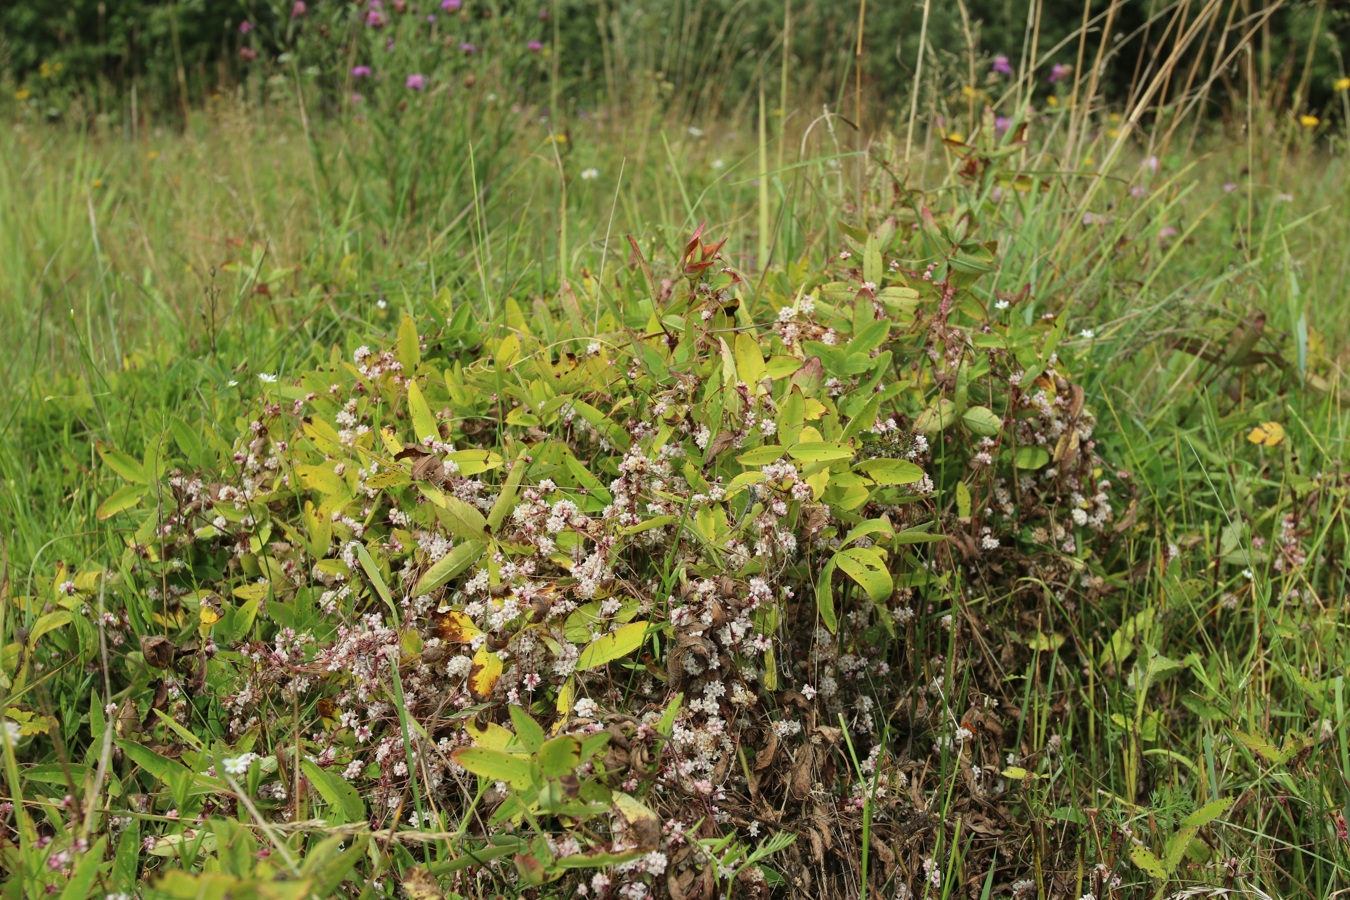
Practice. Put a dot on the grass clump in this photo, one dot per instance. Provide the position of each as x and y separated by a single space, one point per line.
612 507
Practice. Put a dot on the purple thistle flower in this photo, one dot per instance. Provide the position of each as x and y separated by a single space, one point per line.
1002 66
451 5
375 18
360 71
299 9
416 82
1001 125
535 46
245 26
467 47
357 98
1059 71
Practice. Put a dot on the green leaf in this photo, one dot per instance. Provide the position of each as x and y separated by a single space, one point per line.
1144 859
607 648
409 348
872 268
1208 813
791 415
506 500
749 360
460 557
1031 457
667 723
337 792
982 420
514 769
825 598
528 732
865 567
81 883
1176 847
123 464
49 622
868 527
124 498
962 500
464 521
819 451
760 456
890 471
936 417
559 756
161 767
424 423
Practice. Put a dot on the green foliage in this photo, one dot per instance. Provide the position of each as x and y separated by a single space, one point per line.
490 554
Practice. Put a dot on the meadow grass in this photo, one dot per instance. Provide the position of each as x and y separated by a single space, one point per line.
1172 718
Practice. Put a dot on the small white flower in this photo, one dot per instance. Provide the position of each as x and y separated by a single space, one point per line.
1249 574
10 731
589 174
696 132
265 378
382 304
232 383
1001 304
1087 334
239 765
717 164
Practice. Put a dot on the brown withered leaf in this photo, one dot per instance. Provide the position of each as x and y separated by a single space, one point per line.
158 651
454 627
765 755
722 442
799 778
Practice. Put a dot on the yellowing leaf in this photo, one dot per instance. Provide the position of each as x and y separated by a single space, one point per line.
409 347
643 825
29 722
618 643
424 423
322 478
483 674
749 361
124 498
496 764
559 756
123 464
492 736
1267 434
1144 859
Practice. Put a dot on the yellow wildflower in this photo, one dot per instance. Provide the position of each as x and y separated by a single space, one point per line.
1308 121
22 94
1342 84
